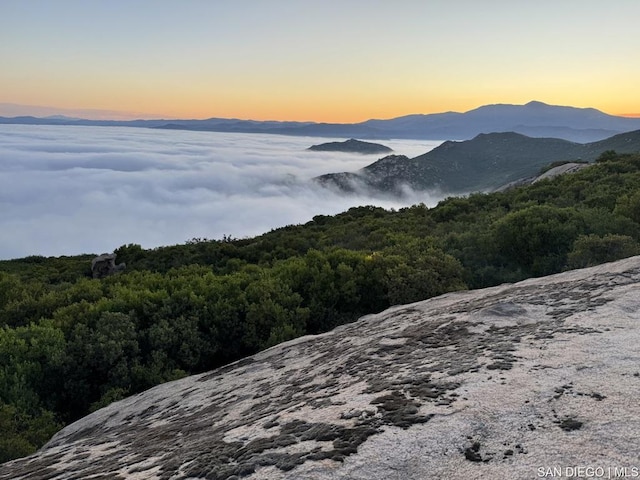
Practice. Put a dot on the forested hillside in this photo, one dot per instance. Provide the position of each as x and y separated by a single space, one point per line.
70 344
487 162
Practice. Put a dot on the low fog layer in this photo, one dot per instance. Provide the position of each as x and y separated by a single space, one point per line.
72 190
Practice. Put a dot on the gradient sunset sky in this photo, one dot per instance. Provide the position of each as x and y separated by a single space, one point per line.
322 60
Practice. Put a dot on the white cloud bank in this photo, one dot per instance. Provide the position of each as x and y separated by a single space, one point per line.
70 190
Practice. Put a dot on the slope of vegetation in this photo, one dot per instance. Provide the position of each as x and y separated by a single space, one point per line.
70 344
486 162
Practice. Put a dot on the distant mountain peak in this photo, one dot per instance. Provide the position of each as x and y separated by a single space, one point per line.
352 145
487 162
534 119
536 103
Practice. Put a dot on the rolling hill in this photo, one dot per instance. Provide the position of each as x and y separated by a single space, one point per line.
534 119
352 146
484 163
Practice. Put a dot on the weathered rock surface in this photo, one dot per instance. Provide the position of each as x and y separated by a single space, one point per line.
564 169
105 265
501 383
570 167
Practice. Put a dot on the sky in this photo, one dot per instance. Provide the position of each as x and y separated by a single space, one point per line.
68 190
324 61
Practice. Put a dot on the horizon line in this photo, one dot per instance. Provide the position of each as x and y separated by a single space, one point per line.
95 114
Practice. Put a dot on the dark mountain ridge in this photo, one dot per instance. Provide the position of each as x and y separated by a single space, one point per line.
353 146
535 119
484 163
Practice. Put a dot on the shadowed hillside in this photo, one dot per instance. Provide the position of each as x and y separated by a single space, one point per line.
487 162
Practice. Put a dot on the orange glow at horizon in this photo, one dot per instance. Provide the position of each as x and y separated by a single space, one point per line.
328 112
331 107
375 60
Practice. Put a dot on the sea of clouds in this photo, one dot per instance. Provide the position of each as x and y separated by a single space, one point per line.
66 190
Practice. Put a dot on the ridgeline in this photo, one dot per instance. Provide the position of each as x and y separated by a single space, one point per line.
485 163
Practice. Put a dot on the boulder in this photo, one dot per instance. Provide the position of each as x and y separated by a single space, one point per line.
105 265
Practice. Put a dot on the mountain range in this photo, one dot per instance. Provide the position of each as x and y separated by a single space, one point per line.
535 119
487 162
